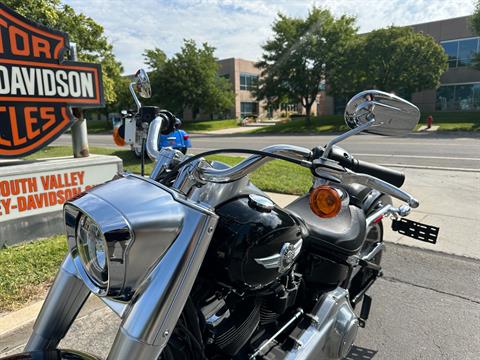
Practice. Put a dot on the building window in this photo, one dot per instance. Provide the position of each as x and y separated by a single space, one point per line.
248 109
248 81
461 52
458 97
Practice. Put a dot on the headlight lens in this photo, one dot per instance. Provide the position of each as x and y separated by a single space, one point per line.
92 249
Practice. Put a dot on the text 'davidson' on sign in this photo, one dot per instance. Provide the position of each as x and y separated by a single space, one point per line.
39 85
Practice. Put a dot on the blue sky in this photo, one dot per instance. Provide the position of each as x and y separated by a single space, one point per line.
238 28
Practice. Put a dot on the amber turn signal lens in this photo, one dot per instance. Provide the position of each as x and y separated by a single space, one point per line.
117 138
325 201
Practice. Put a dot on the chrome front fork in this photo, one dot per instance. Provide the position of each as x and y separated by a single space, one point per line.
149 318
64 301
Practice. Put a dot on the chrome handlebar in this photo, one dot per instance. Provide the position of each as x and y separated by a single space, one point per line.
190 176
152 138
252 163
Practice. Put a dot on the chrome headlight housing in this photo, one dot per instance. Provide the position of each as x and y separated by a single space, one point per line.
92 249
98 242
118 231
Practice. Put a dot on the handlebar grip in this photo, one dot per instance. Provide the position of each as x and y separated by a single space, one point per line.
394 177
391 176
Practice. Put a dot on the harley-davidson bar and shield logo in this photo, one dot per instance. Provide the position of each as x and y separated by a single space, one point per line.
37 86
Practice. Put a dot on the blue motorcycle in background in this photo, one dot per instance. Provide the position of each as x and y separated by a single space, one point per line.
129 131
178 139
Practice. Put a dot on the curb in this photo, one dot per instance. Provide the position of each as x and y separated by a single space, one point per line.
19 318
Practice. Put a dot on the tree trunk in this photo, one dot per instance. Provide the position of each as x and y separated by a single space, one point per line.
308 112
195 112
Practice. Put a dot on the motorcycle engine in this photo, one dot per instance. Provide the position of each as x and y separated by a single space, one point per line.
233 320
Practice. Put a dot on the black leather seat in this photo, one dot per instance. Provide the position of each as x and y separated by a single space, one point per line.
343 233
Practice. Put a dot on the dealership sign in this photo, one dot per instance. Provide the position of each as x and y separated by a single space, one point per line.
41 189
38 86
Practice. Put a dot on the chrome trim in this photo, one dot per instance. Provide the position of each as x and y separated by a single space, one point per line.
379 247
154 310
140 220
200 172
261 202
152 138
251 163
332 331
403 210
118 307
135 98
59 310
344 136
276 260
274 336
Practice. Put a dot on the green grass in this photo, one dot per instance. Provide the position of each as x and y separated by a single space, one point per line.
27 270
99 127
317 124
210 125
453 121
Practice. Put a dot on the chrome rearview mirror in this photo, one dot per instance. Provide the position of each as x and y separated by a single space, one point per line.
142 84
386 113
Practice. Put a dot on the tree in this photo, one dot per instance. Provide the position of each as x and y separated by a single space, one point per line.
475 23
400 60
190 80
301 53
92 44
475 19
154 58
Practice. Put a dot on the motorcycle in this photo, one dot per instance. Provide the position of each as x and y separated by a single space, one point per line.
132 129
178 139
201 264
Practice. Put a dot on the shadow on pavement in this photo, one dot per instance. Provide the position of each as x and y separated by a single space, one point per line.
359 353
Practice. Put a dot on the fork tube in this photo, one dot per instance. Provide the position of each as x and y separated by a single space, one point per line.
62 304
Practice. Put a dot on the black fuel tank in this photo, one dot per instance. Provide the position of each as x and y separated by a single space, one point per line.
254 243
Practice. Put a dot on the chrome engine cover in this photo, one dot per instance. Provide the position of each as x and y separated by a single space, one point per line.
332 332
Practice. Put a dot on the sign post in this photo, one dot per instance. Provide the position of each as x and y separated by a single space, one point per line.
79 127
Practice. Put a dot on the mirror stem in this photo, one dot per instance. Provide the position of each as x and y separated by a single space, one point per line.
346 135
137 102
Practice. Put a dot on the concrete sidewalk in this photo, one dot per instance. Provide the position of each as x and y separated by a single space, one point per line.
449 200
236 130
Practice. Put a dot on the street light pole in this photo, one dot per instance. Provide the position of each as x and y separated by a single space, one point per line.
79 127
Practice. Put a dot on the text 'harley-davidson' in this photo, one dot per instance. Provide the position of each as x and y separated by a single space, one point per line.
201 264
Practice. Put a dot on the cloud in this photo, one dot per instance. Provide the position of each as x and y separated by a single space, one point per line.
238 28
